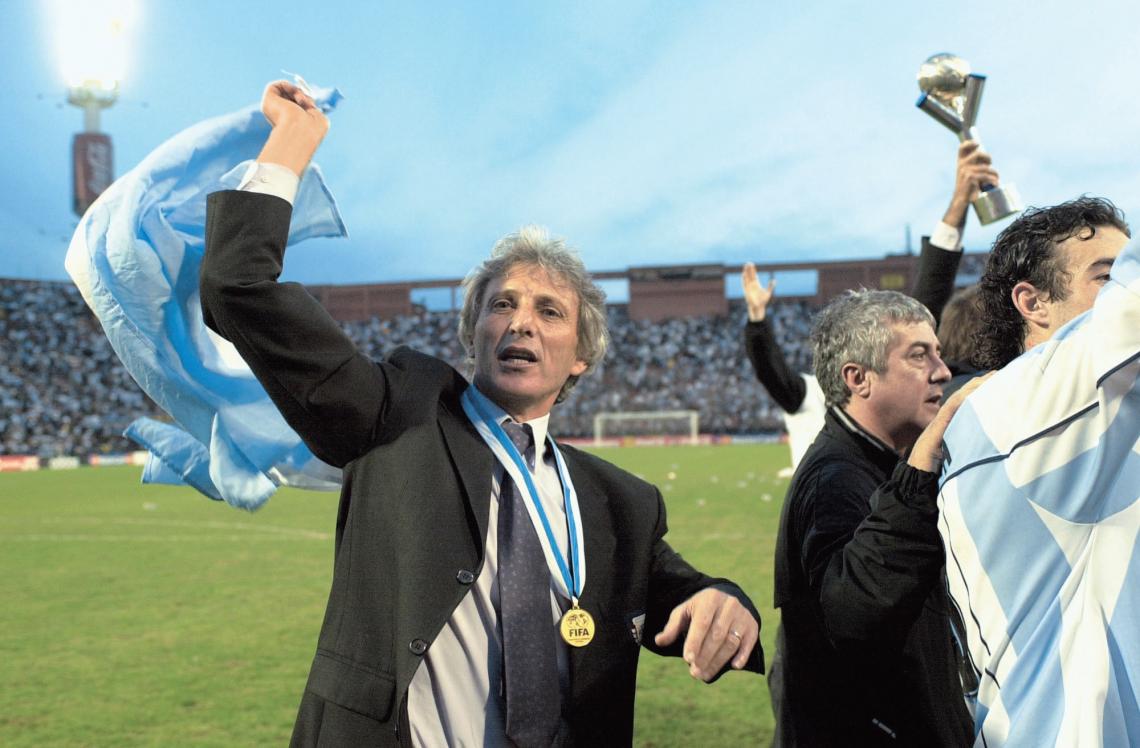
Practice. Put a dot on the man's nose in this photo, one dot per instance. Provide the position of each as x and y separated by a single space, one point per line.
522 321
941 371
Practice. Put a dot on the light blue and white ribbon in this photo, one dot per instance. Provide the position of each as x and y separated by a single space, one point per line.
569 573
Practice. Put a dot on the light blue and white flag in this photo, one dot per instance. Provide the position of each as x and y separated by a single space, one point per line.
135 257
1040 514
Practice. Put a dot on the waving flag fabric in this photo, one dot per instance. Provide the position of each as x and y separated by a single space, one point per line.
1040 513
135 257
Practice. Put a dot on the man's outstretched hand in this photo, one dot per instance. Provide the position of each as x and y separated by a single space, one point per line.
926 454
756 295
975 170
719 629
299 126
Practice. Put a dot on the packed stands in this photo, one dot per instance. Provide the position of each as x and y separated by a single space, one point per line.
62 389
64 392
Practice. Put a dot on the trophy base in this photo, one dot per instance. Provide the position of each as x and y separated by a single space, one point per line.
998 203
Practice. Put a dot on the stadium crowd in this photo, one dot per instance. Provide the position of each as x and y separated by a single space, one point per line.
63 390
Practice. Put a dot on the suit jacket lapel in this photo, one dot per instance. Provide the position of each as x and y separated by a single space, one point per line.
597 529
474 462
599 541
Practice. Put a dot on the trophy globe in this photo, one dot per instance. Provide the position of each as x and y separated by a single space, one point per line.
952 95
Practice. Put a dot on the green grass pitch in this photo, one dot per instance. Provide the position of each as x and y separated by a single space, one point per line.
149 615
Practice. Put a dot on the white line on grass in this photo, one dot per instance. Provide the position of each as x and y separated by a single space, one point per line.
64 537
204 524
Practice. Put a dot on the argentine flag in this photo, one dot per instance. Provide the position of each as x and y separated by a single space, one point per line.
135 257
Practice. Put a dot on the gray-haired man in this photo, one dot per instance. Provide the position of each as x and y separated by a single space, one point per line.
866 647
464 530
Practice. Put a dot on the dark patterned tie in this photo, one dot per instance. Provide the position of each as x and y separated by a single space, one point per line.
530 665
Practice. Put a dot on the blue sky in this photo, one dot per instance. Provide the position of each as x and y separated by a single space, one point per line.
645 133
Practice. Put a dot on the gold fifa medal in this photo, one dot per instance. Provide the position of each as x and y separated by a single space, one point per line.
577 627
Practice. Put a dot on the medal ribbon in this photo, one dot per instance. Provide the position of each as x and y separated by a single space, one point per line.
572 575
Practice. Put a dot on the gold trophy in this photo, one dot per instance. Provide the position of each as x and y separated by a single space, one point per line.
951 94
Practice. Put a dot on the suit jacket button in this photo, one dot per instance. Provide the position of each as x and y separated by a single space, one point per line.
464 577
417 646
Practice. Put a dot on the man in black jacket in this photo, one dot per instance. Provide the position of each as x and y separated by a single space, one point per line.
461 611
798 395
867 651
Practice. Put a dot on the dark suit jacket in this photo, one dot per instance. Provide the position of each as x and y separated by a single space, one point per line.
934 284
414 508
934 287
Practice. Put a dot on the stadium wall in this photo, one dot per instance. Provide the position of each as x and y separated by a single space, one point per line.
29 463
655 293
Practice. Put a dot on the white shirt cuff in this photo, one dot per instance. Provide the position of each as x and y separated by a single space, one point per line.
945 237
270 179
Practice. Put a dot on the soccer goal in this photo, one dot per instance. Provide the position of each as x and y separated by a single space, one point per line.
680 425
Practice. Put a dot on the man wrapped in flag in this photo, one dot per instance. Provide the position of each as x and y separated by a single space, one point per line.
1040 501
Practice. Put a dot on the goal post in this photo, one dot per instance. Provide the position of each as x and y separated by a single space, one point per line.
685 423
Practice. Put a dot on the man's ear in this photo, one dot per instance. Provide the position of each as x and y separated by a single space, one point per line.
857 378
1030 303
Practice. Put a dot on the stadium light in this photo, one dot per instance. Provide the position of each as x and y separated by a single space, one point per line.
91 44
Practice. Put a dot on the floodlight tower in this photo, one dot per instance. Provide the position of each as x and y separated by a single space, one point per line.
91 40
93 167
93 96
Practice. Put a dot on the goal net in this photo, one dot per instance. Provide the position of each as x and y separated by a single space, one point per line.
673 425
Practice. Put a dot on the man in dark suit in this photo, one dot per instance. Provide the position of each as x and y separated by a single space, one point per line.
461 611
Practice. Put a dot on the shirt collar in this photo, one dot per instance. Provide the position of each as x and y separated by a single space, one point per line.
538 426
854 428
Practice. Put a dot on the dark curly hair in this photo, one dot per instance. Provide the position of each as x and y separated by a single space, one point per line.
1026 251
